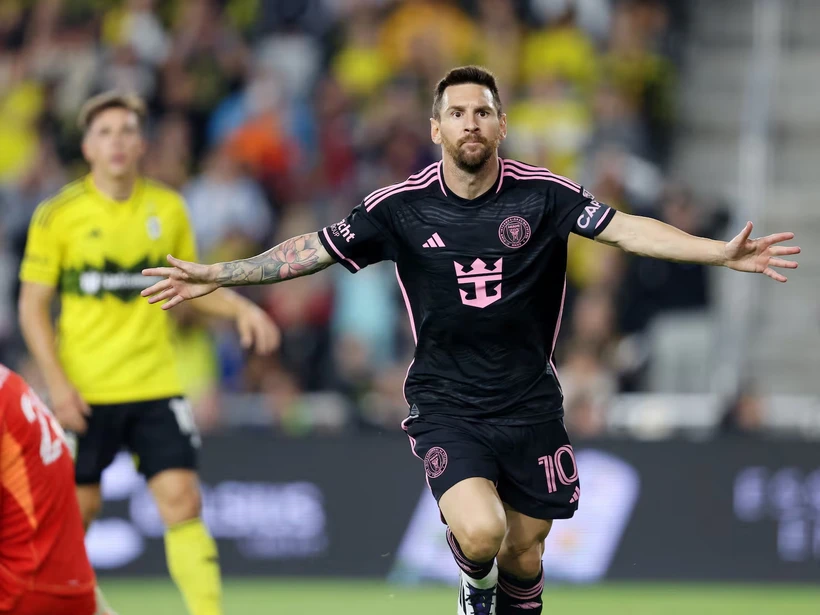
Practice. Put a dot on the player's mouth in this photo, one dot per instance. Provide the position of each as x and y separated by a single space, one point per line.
119 158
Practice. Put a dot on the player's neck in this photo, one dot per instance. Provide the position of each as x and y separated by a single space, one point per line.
470 185
115 188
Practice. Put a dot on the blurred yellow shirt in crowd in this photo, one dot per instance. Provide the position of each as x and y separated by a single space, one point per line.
564 52
439 29
19 109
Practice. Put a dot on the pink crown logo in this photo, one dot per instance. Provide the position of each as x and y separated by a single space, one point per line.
478 267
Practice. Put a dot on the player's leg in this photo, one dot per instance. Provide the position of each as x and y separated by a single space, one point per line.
538 483
521 579
93 451
461 470
90 499
164 437
475 530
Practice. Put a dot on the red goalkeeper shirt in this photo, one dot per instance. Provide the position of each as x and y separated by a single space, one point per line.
41 532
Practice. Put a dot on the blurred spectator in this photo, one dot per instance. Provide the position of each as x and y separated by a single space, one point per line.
501 42
227 204
744 414
644 76
135 24
549 127
651 286
561 50
169 157
361 67
429 36
589 387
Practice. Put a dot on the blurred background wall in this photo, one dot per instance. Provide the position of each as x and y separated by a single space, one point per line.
275 118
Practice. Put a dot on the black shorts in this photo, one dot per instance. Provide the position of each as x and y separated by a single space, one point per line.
161 433
532 466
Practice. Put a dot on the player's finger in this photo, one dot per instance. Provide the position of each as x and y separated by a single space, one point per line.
744 234
173 301
776 238
774 275
180 264
76 423
85 409
784 250
275 337
266 339
166 294
780 262
156 288
246 333
153 272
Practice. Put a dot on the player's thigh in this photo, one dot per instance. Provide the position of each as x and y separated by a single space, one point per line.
539 476
95 449
163 436
461 468
450 452
34 603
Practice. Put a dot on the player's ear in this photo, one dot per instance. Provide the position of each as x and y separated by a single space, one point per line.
88 150
502 121
435 131
143 145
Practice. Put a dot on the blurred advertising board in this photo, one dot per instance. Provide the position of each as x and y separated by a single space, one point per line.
733 510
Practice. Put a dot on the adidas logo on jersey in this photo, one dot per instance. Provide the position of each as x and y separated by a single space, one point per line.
434 242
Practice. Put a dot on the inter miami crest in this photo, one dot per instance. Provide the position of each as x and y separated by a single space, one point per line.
514 232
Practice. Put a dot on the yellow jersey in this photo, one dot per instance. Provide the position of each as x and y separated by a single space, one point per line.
113 345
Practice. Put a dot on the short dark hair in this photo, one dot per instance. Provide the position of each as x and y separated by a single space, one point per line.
466 74
110 100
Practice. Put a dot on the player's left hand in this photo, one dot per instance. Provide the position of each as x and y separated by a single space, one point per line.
760 255
256 329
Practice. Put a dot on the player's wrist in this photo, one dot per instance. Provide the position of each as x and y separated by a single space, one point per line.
722 258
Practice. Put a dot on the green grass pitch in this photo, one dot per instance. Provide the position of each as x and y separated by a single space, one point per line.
317 597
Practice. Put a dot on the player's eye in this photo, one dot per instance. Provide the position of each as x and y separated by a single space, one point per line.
483 114
456 113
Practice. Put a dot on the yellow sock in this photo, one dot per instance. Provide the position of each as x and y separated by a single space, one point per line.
194 566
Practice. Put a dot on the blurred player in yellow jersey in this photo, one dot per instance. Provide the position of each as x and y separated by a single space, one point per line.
108 376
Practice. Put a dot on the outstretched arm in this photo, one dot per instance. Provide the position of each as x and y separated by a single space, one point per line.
295 257
656 239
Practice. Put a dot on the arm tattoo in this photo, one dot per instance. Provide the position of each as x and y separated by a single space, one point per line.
298 256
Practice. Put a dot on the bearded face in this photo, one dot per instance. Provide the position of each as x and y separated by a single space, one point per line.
469 127
470 152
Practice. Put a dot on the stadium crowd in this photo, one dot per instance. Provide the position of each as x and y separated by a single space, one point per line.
275 118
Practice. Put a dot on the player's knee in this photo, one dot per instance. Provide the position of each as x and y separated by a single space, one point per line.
521 557
178 505
480 539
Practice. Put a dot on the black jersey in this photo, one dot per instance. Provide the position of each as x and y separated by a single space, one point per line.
484 282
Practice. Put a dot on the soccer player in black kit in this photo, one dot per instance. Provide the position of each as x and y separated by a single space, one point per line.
480 246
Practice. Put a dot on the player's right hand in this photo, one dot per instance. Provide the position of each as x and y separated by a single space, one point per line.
183 281
69 407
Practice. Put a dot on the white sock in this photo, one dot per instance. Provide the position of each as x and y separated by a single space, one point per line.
491 580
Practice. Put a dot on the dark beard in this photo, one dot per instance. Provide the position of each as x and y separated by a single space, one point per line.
471 164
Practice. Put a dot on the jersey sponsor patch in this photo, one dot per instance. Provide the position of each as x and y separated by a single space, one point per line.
125 283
